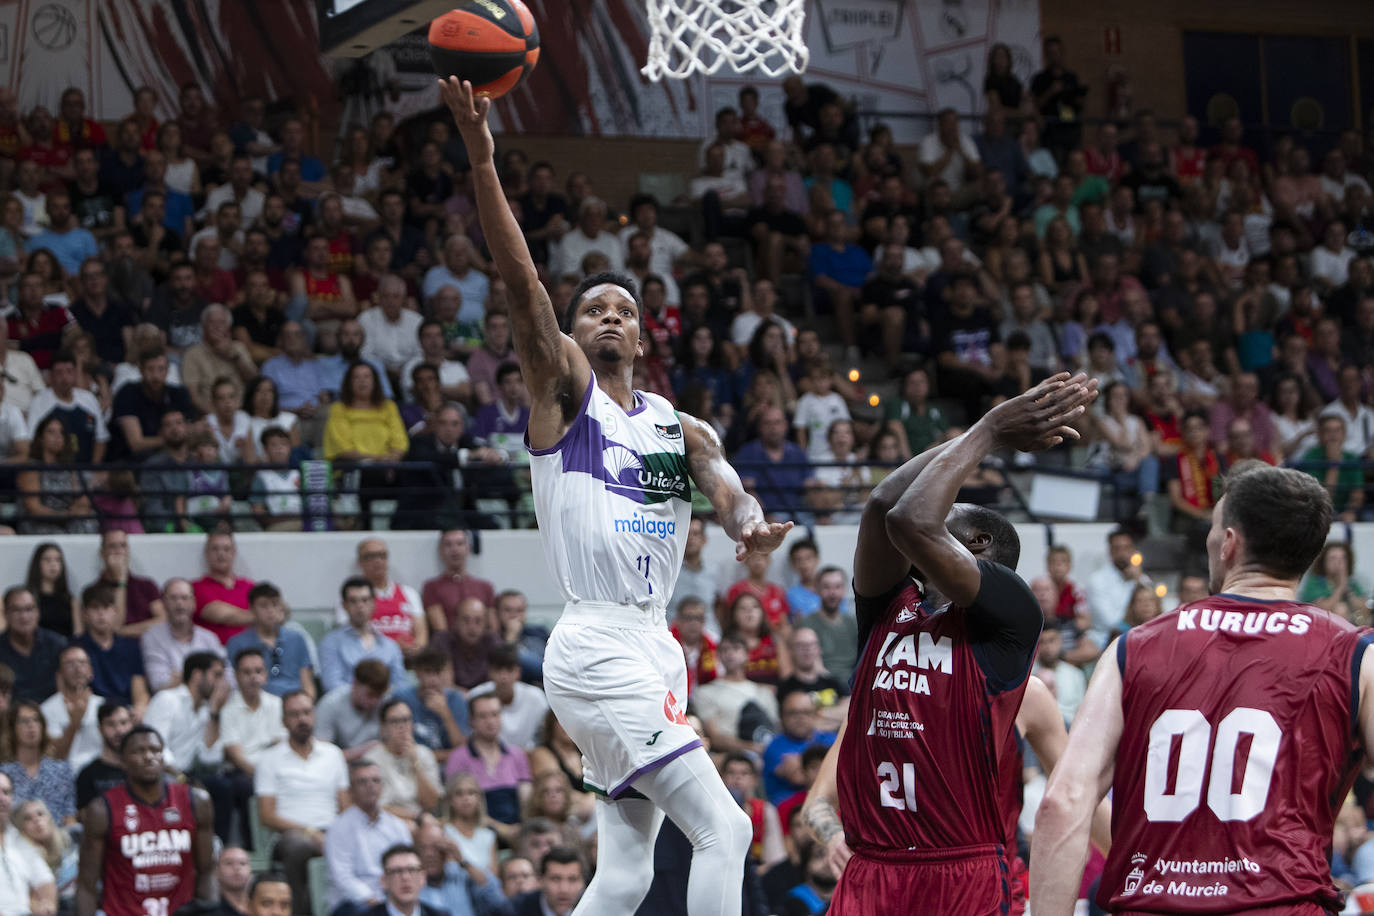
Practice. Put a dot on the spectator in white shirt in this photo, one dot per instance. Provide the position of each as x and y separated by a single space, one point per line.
189 713
301 786
1110 586
738 160
666 247
355 842
587 236
72 712
411 783
238 189
714 179
391 329
1336 179
454 382
948 153
760 308
168 643
1359 419
523 706
1329 263
76 407
26 883
250 723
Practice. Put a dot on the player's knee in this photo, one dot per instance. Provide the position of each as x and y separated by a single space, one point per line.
737 832
623 888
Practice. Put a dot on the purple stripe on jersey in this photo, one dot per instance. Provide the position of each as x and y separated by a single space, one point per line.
581 413
661 762
638 408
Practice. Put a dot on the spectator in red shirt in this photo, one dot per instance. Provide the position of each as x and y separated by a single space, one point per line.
769 659
689 629
212 283
1230 148
1103 159
1187 160
34 325
442 594
1240 444
754 131
73 129
1070 600
222 597
43 151
770 595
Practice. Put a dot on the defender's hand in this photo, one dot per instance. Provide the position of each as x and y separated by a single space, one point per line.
1039 418
470 113
761 537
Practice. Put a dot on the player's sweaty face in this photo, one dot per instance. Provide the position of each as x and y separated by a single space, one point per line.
607 323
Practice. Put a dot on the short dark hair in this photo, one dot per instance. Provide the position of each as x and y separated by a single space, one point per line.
263 590
432 658
815 753
506 369
503 656
106 710
389 704
353 582
560 855
63 356
829 571
1005 548
739 757
273 432
473 701
271 877
1119 533
14 591
241 654
1256 494
640 200
99 594
400 849
803 544
615 278
198 661
373 674
139 730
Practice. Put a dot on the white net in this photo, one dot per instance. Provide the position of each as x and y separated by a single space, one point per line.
704 35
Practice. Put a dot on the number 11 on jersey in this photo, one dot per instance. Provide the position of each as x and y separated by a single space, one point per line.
642 564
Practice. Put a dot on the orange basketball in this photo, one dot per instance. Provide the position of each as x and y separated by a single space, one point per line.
494 44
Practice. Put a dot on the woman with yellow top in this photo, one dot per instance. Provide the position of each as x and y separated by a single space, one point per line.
363 428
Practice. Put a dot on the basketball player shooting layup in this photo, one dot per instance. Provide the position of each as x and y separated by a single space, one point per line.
1229 731
609 468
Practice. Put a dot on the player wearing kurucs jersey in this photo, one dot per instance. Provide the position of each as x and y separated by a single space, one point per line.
931 743
609 468
1229 731
147 843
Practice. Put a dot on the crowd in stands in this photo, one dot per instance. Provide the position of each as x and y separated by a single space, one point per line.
190 297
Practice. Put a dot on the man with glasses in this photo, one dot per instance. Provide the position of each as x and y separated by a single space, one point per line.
166 644
284 651
28 649
355 843
106 318
410 773
783 773
397 611
403 877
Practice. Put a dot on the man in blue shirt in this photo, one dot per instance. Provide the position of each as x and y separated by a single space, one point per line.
439 709
296 373
116 661
775 470
342 649
293 147
453 884
284 651
838 271
334 366
177 205
68 242
783 775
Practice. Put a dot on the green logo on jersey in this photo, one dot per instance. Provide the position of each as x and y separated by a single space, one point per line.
651 741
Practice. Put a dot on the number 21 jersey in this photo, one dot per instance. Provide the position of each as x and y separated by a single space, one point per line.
1238 746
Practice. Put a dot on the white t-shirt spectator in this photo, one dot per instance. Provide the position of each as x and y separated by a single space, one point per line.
254 731
46 400
931 150
228 438
726 186
1336 189
815 414
523 719
720 703
1359 426
13 428
87 743
1324 264
393 344
451 372
250 206
22 871
738 160
746 323
665 247
567 253
306 788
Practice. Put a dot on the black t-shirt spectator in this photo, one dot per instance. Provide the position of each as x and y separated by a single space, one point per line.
786 222
404 250
824 687
1063 105
875 209
96 210
264 332
123 177
807 112
107 328
133 401
534 217
95 779
182 325
283 252
970 339
35 674
885 291
170 244
1161 187
429 190
1007 87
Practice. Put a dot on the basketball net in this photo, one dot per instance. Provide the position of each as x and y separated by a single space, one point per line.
701 36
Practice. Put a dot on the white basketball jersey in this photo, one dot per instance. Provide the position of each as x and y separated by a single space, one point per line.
613 501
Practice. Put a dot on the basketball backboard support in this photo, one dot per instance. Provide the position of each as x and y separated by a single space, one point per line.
353 28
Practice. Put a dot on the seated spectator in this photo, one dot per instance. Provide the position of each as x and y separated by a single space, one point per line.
217 356
33 771
949 154
59 852
497 349
68 241
234 875
138 601
454 881
1358 418
391 329
72 711
138 409
837 630
698 647
775 470
250 724
301 785
1064 679
80 413
968 346
189 714
782 765
1244 401
105 316
1109 587
454 381
276 494
289 657
438 710
167 643
105 771
327 295
54 499
456 269
411 784
502 771
208 505
818 409
364 427
28 884
469 643
221 596
814 893
116 661
562 879
30 652
164 480
1338 468
838 269
740 774
440 495
347 715
917 423
738 714
176 309
1240 444
22 380
229 425
466 825
445 592
769 659
343 648
300 382
397 612
356 841
1332 584
829 690
769 594
523 706
259 320
1194 479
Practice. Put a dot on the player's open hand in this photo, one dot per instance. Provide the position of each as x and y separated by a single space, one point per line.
760 537
838 853
1041 418
470 113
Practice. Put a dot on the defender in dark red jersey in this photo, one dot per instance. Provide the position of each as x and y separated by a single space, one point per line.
931 739
1229 730
147 843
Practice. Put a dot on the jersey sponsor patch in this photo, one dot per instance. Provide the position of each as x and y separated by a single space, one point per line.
671 710
906 615
671 432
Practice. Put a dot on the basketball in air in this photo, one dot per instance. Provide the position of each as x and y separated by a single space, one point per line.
494 44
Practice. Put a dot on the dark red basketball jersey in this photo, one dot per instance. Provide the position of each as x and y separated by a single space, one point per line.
1238 746
149 866
931 745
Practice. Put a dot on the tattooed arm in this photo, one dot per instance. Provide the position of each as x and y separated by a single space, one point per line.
740 514
821 809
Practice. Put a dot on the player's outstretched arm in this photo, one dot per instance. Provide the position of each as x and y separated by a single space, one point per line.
1075 788
555 369
203 844
740 514
878 564
821 811
1042 725
1037 419
95 823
